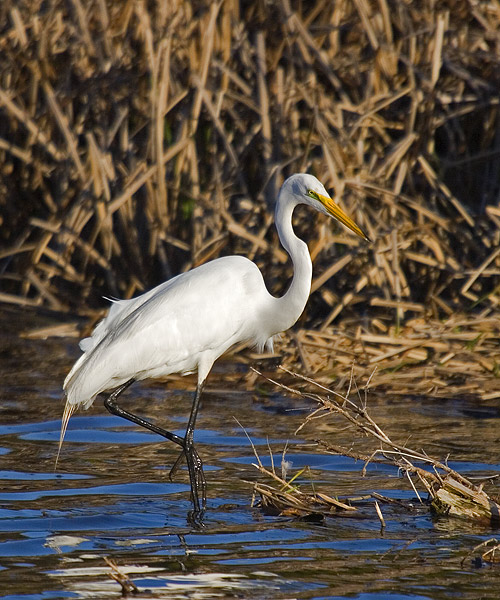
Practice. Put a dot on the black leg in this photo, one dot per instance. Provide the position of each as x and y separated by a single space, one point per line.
193 460
114 409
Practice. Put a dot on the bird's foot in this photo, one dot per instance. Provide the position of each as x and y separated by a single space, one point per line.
195 519
176 465
196 477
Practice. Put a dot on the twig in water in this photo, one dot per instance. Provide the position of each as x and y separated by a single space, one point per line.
380 515
127 585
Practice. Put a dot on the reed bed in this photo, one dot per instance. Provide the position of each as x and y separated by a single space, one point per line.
459 356
138 140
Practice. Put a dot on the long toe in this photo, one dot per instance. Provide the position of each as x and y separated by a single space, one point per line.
201 482
196 476
195 518
176 466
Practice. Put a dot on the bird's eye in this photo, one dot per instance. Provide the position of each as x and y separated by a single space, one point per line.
312 194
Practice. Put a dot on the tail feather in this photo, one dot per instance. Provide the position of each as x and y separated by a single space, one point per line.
69 409
88 378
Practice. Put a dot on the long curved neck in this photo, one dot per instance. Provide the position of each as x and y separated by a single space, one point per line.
291 305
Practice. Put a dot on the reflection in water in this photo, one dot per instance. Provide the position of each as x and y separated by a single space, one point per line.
111 496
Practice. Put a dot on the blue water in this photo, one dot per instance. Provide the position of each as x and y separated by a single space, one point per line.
111 497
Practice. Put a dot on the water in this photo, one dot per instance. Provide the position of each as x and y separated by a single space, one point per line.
111 496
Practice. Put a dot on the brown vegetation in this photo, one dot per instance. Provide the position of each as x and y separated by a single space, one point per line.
448 492
140 139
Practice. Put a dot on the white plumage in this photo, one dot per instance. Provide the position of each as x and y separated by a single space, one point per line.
186 323
166 331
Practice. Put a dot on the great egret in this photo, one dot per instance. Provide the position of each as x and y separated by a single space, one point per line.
186 323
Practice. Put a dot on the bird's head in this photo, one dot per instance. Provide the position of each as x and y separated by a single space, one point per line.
306 189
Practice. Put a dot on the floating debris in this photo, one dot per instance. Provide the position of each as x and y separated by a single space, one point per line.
449 493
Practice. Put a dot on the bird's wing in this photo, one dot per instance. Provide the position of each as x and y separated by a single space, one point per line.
201 309
176 328
119 310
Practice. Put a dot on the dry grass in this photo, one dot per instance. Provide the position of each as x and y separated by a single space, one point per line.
458 356
140 139
448 492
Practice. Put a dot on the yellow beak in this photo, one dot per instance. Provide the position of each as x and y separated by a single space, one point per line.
337 213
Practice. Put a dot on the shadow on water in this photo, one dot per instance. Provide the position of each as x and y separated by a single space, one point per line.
111 497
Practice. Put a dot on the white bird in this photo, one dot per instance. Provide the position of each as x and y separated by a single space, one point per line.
186 323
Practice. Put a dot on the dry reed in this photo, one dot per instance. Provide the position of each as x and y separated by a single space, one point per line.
140 139
449 493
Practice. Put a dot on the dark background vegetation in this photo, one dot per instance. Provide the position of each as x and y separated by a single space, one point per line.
139 139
